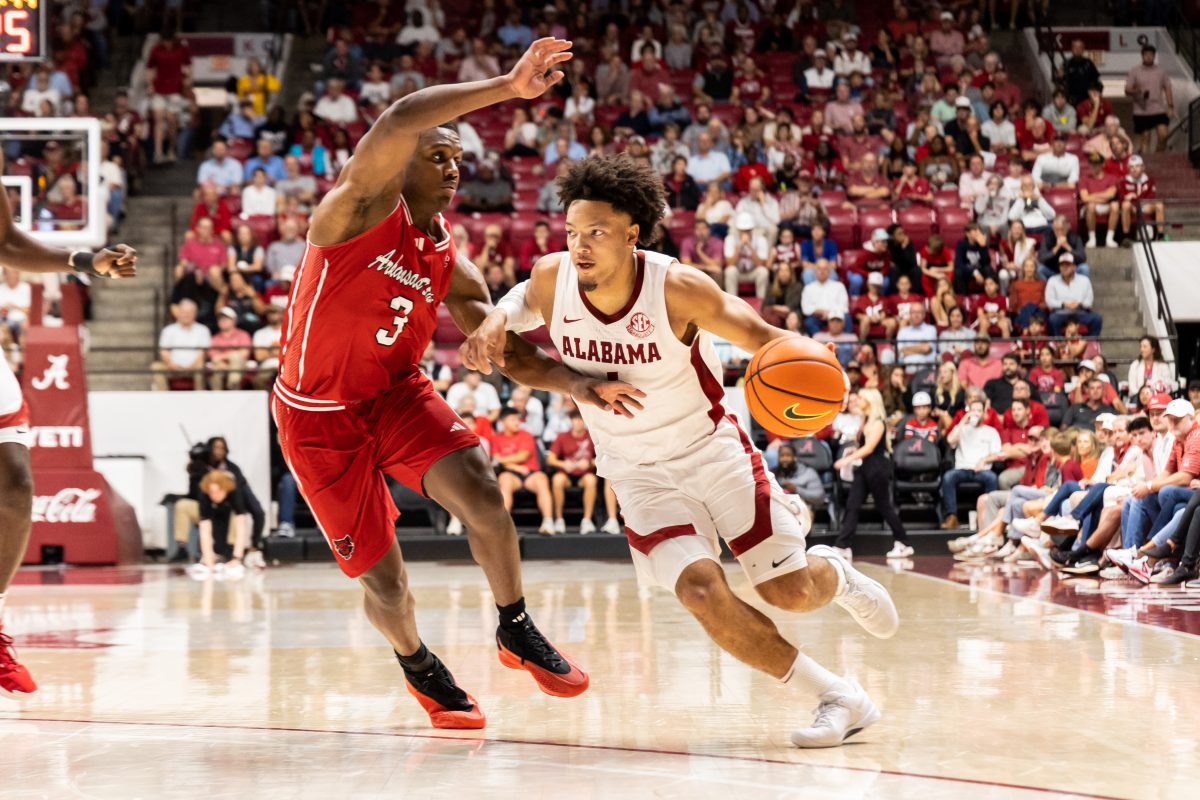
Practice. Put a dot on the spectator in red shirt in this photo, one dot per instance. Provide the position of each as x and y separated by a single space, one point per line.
1137 190
1022 390
534 248
228 353
870 312
1093 110
911 188
937 263
649 74
516 455
1045 376
574 456
990 309
212 206
1097 196
1017 426
749 85
869 187
979 367
204 253
496 251
900 303
169 62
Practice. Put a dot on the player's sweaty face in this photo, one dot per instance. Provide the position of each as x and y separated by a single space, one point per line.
601 241
433 170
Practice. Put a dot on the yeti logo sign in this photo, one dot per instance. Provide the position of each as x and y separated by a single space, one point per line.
54 375
344 547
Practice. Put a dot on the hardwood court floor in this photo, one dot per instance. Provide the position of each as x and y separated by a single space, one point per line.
157 686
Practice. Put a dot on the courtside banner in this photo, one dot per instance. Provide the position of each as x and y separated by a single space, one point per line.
55 386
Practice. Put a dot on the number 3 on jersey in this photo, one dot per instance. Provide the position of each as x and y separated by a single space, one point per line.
404 306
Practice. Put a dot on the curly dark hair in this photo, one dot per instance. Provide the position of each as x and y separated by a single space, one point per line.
627 185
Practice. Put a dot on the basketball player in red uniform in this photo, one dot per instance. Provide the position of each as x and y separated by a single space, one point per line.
21 251
352 404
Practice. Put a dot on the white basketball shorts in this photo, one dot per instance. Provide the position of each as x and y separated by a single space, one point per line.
675 510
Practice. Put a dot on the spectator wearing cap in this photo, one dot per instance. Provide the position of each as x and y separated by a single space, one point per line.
228 352
956 127
822 297
916 342
843 340
1060 113
1137 191
819 78
921 423
1152 504
851 59
1060 241
746 255
708 164
1149 86
870 311
947 41
1070 295
799 207
1056 168
877 259
1098 196
1085 371
1031 209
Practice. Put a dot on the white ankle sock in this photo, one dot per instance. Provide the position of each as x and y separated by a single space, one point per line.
839 569
809 676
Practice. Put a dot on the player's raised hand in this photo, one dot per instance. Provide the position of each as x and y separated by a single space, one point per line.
120 262
615 395
536 71
485 344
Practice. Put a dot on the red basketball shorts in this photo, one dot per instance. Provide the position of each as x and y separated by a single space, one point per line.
339 459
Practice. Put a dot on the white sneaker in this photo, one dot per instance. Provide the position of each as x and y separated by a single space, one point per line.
287 530
1026 526
586 526
961 543
612 526
1060 525
1112 574
982 548
234 572
198 572
1004 552
560 525
900 550
547 527
454 527
1018 555
1039 551
1109 239
838 717
864 599
254 560
1121 557
1091 242
847 553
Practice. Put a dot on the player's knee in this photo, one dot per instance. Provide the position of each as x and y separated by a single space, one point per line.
390 594
794 591
698 590
16 485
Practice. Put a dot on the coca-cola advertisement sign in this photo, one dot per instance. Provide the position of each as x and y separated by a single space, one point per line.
68 505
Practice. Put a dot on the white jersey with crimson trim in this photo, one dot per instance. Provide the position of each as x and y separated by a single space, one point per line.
637 345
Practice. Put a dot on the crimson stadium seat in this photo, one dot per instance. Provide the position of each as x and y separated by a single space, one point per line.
1064 202
831 198
951 222
264 228
918 222
944 200
843 227
447 332
871 218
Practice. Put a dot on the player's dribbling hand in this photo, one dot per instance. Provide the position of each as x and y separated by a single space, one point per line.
608 395
535 72
485 344
120 262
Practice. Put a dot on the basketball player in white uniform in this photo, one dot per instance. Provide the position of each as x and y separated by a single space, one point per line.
22 252
684 472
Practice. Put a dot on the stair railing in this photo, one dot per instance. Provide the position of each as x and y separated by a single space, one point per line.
1163 307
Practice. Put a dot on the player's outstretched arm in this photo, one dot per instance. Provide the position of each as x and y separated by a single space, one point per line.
692 297
524 363
20 251
381 156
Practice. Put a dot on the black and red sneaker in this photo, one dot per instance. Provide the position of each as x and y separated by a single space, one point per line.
447 705
15 680
524 647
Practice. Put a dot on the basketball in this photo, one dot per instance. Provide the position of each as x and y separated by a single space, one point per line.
794 386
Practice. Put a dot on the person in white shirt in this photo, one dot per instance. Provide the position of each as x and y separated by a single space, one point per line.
182 346
1031 209
976 446
708 165
746 254
916 342
822 297
819 77
851 59
973 183
1056 168
487 401
336 106
258 199
39 90
762 207
1069 295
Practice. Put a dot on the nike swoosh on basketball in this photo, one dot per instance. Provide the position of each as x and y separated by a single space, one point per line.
569 321
775 564
790 413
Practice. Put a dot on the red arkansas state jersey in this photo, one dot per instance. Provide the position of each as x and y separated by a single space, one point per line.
362 312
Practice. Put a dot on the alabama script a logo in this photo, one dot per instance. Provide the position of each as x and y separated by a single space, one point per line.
55 374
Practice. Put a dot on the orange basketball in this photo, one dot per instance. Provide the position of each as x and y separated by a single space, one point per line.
794 386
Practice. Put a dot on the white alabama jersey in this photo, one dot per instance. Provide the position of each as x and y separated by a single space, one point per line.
636 345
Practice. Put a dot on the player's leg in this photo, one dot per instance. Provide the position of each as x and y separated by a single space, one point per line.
16 505
391 609
463 482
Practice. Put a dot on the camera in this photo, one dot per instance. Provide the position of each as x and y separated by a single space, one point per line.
198 459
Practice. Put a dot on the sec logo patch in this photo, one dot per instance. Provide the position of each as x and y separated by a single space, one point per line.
640 325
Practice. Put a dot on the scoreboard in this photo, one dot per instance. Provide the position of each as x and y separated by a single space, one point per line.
23 30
